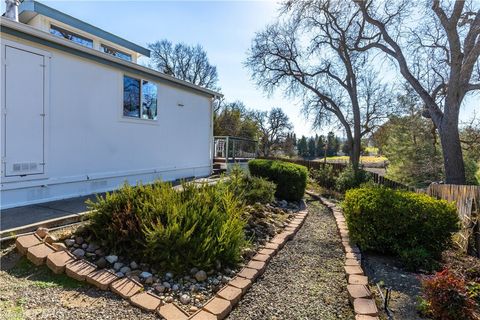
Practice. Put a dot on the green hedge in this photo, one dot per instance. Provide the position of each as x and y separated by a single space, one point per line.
290 178
413 226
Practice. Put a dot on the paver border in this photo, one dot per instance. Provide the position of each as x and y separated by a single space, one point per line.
258 265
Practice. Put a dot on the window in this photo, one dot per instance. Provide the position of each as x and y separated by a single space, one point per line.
139 98
62 33
116 53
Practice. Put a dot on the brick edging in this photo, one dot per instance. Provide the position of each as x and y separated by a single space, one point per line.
40 252
359 294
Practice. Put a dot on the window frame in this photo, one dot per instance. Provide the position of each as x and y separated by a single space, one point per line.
60 29
139 119
106 46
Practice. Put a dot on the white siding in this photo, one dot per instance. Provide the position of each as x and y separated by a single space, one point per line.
91 147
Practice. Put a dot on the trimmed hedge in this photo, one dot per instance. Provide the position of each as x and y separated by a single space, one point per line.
290 178
413 226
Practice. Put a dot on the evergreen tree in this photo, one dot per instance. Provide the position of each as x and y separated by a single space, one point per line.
311 147
331 145
302 147
320 152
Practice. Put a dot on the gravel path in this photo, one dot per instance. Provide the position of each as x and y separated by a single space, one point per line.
305 280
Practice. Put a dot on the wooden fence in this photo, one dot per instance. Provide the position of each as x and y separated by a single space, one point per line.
467 200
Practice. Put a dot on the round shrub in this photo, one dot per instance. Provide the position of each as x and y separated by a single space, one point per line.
290 178
349 179
400 222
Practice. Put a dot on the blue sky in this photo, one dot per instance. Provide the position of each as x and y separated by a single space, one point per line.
224 28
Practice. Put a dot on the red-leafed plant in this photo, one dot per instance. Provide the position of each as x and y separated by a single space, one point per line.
446 298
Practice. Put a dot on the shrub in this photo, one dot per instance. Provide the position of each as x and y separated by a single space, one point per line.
400 222
349 179
170 229
290 178
249 188
324 176
446 297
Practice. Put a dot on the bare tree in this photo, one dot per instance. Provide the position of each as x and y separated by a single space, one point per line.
274 127
439 58
189 63
313 53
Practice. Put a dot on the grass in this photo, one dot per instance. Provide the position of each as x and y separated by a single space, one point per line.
42 277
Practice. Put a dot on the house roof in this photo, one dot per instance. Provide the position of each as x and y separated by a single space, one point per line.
29 9
32 34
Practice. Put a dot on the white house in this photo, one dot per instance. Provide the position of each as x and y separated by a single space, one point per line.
80 116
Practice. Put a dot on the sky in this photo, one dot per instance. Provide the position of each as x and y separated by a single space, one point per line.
225 29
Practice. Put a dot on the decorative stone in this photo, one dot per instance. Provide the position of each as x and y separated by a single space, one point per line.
230 293
79 269
125 269
79 253
146 301
125 287
111 259
145 275
38 254
241 283
79 240
92 247
24 242
101 262
101 279
117 266
218 307
57 261
170 311
185 299
168 275
365 307
201 276
41 232
160 289
120 274
69 242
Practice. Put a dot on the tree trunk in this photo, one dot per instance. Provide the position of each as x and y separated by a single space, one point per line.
355 154
452 151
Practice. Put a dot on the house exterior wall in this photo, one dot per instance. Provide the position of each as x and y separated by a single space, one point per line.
90 147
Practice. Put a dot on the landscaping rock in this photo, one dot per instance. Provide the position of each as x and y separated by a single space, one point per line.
79 253
125 270
117 266
92 247
69 242
149 281
185 299
160 288
133 265
111 259
168 275
145 275
120 274
201 276
79 240
101 263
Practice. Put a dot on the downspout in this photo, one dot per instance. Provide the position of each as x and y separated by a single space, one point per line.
11 9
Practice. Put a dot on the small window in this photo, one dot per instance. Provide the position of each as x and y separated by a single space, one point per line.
139 98
116 53
62 33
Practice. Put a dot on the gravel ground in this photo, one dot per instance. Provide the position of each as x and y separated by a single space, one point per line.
29 292
305 280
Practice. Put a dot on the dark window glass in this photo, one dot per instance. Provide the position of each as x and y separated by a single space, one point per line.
131 97
62 33
116 53
149 100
